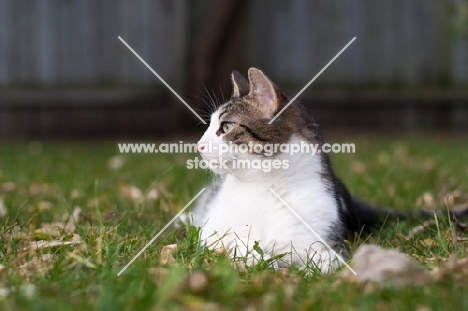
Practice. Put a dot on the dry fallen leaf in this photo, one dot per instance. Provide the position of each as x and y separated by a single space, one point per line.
385 266
200 305
3 209
2 270
452 268
37 265
70 226
429 242
153 194
384 158
419 228
428 165
166 257
38 245
220 250
44 205
358 167
56 229
7 187
18 233
116 162
197 281
240 266
401 152
455 199
131 192
75 193
427 201
416 230
4 292
48 189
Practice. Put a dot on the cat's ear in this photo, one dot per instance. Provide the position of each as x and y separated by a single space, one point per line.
240 85
264 91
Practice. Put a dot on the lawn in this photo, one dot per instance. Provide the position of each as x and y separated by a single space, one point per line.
51 262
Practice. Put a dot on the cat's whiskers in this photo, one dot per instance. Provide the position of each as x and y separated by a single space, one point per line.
210 105
222 94
204 113
213 103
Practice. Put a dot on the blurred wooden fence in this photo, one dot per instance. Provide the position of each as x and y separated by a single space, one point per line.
66 54
74 42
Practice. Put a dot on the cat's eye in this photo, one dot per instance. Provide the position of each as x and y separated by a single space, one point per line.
227 127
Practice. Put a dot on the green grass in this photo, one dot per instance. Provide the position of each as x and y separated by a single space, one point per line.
51 179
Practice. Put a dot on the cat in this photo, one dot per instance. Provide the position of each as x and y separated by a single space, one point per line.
254 213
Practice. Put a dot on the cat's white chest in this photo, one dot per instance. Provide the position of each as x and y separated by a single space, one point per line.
240 209
243 213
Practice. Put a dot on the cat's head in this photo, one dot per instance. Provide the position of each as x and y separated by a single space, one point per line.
244 121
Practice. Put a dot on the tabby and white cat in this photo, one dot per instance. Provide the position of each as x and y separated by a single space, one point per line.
239 209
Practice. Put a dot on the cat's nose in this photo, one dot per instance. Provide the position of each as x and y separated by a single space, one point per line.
201 147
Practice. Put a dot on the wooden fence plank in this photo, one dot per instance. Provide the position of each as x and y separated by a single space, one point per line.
5 41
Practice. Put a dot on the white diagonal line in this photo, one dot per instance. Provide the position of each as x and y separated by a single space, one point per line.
162 80
160 232
313 79
313 231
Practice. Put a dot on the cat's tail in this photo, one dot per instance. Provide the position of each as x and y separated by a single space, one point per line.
370 217
373 216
